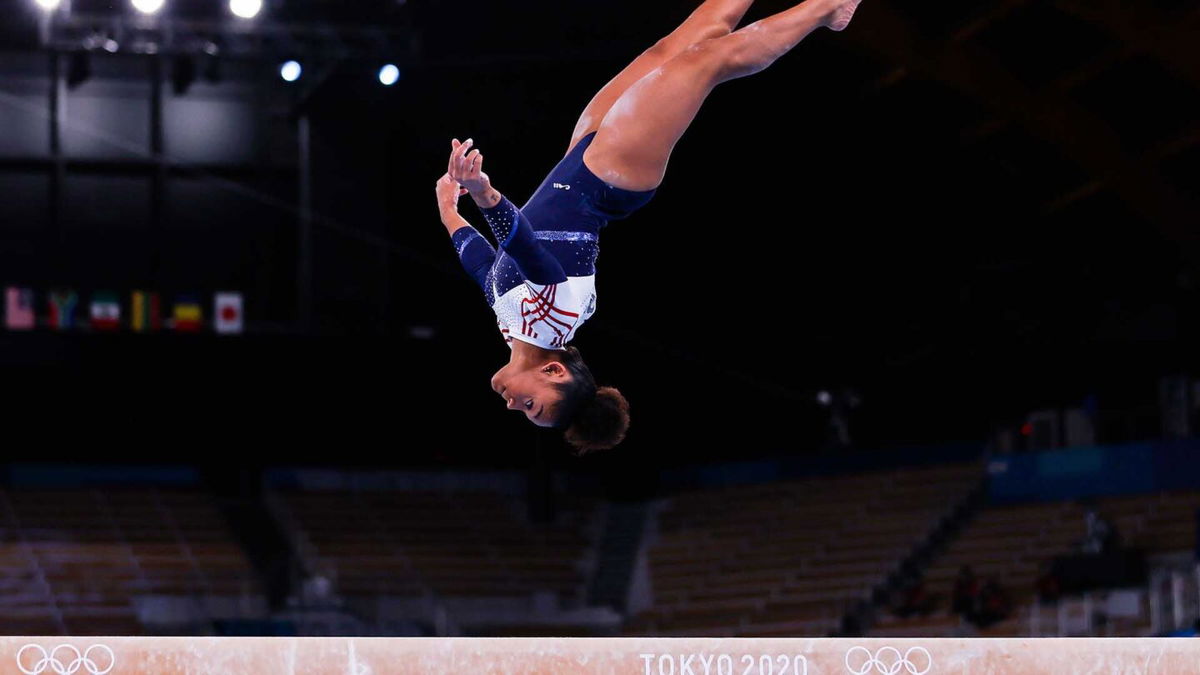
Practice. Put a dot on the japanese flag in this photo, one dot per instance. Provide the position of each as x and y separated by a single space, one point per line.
228 313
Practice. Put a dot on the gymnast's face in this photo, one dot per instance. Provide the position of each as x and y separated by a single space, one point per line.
532 391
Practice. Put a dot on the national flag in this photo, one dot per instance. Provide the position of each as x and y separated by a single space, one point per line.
62 308
187 315
18 313
106 311
227 312
144 312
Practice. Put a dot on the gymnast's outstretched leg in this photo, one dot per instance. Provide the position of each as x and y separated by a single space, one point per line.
712 19
639 131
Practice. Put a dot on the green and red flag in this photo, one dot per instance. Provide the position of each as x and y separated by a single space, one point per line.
145 314
106 311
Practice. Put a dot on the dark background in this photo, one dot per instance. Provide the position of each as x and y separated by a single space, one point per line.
966 211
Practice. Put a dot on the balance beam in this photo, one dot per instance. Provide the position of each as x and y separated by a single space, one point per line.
607 656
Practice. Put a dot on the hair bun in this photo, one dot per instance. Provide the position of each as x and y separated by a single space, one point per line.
600 423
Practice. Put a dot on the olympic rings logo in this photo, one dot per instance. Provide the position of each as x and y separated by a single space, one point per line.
71 666
889 661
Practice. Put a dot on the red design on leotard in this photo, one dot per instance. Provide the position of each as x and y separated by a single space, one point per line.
545 312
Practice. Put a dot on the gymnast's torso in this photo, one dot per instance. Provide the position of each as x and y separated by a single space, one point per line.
566 213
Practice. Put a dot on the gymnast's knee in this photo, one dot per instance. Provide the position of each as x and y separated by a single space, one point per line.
728 57
679 42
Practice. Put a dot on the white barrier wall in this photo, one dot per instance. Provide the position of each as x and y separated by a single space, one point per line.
625 656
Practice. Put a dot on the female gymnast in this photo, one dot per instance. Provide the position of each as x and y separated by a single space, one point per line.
541 285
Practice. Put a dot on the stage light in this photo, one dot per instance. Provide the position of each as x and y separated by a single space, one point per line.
246 9
290 71
148 6
111 46
824 398
49 5
389 75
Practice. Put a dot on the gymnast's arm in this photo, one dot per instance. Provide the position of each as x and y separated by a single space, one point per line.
515 234
474 251
513 230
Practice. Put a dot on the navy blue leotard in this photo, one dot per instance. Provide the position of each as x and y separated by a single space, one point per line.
554 236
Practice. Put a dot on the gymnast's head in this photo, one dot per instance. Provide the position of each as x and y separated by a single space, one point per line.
558 391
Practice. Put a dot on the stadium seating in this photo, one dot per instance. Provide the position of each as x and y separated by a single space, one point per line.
779 559
1012 543
789 558
448 544
74 561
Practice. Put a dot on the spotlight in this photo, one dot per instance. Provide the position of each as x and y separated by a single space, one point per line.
246 9
824 398
111 46
389 75
290 71
183 74
49 5
148 6
79 69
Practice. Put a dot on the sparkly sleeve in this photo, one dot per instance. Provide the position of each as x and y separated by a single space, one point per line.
515 234
476 255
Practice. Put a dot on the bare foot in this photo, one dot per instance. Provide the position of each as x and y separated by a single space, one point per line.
839 18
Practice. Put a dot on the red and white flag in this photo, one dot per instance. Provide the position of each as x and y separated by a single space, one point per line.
228 313
18 307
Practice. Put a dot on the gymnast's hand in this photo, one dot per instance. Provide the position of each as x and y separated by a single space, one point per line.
466 167
448 192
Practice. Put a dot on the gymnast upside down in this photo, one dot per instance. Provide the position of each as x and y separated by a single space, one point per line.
541 284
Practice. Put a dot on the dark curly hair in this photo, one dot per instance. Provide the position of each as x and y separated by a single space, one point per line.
592 418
